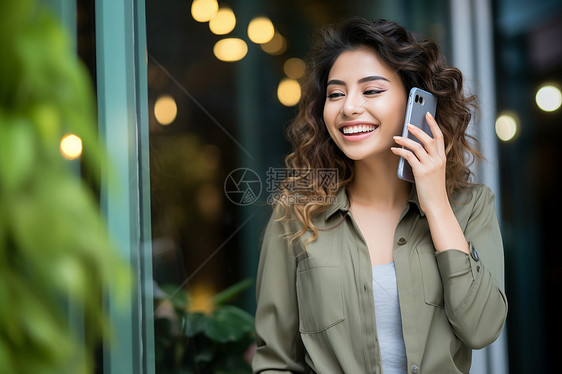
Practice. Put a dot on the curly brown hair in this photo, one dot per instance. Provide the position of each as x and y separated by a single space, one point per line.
419 63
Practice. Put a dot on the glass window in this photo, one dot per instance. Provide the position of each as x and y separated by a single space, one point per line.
217 113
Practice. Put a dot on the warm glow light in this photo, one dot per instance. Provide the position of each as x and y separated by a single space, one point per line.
549 98
71 146
204 10
261 30
289 92
506 127
276 46
230 49
165 110
294 68
223 22
201 298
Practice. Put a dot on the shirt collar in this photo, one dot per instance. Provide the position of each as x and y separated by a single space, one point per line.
341 202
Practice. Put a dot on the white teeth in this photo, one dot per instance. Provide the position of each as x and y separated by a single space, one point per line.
357 129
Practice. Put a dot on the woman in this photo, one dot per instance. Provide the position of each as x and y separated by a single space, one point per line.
374 274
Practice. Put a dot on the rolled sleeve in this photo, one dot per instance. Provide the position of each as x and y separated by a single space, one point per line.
475 300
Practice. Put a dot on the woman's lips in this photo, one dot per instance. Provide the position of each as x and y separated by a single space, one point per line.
357 132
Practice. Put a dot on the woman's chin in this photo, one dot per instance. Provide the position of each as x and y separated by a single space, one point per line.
358 153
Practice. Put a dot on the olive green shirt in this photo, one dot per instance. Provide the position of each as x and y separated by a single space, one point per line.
315 307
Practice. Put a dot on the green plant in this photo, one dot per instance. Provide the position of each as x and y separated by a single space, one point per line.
196 342
55 253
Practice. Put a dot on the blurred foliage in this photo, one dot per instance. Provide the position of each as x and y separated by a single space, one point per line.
55 253
188 342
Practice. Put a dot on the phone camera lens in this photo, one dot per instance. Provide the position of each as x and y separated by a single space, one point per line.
419 99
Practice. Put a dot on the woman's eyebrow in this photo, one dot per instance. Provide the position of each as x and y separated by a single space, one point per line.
370 78
336 82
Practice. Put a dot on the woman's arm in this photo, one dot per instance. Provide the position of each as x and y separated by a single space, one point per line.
429 163
470 259
279 346
473 284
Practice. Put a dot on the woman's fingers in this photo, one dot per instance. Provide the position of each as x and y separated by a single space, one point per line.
407 155
413 147
437 133
434 146
425 158
419 134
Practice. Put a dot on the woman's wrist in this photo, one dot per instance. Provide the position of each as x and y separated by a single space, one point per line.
445 229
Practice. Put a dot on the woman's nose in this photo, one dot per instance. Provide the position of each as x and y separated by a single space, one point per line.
352 105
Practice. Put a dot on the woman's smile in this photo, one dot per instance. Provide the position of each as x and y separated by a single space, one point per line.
356 131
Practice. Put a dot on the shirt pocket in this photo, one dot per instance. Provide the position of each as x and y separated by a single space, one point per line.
319 294
431 279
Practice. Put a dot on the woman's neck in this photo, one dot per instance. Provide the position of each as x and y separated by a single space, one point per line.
376 184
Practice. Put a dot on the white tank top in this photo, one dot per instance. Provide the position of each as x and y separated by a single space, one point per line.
389 323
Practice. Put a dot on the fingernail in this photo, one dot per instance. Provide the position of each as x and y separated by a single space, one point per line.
429 115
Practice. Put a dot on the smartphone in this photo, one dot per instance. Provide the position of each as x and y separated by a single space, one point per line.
419 103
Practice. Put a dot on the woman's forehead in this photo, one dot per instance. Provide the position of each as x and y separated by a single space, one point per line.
358 63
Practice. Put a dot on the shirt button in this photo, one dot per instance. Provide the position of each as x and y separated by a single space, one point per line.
415 369
402 241
474 254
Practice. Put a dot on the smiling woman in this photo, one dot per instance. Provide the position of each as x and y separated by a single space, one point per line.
416 240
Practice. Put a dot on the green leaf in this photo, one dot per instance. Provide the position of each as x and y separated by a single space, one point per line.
228 323
16 152
232 291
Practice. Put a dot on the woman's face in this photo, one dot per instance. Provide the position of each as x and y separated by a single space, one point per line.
365 104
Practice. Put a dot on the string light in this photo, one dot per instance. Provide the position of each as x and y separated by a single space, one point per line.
261 30
276 46
223 22
294 68
230 49
289 92
204 10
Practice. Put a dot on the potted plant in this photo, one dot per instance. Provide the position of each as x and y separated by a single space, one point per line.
216 342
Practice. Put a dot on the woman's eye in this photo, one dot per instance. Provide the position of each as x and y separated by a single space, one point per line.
373 92
334 95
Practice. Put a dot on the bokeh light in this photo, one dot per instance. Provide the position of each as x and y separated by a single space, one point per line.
165 110
276 46
294 68
549 98
71 146
289 92
506 126
223 22
261 30
230 49
204 10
